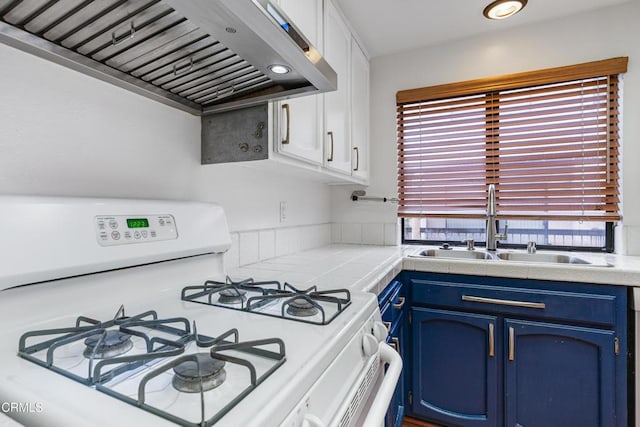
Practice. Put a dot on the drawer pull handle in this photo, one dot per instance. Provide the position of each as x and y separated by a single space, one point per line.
400 304
492 344
512 345
395 343
526 304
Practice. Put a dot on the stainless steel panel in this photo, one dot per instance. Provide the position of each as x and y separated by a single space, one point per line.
236 90
51 14
170 53
193 62
210 64
146 24
99 22
81 19
223 75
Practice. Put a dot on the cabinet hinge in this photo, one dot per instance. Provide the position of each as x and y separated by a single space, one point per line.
616 345
410 398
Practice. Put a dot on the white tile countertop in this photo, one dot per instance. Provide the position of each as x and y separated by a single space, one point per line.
371 268
330 267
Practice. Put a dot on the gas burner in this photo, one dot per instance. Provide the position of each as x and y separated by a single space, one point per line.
109 344
231 295
301 307
189 375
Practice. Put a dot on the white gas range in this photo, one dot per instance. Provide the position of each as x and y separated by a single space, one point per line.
119 312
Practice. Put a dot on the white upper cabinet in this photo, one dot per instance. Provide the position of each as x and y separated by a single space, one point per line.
359 113
337 52
298 121
328 134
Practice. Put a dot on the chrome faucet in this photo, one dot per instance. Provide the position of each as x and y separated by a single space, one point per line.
492 230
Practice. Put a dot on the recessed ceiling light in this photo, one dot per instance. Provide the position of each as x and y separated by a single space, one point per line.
500 9
279 69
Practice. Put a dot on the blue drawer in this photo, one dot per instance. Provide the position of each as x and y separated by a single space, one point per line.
391 302
543 303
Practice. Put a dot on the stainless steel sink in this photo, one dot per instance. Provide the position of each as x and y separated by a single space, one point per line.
457 254
543 258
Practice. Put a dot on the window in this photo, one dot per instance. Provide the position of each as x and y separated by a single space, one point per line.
548 140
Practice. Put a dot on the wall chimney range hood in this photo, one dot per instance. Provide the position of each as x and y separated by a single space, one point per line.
201 56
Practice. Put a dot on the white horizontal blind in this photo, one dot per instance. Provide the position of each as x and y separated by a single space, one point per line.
551 150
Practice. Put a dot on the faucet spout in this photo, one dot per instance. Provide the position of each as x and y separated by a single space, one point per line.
492 230
491 203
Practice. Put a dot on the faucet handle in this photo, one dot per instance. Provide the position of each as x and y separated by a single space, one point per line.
470 244
504 235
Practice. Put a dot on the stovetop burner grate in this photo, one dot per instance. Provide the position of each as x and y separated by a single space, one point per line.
270 298
161 355
96 335
241 357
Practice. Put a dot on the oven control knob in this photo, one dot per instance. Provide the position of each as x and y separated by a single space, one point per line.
369 345
379 331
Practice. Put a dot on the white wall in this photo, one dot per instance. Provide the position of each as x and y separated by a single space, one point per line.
596 35
65 133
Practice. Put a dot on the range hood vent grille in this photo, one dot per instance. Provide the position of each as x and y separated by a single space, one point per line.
149 47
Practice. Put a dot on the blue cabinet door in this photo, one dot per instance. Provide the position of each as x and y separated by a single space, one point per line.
559 375
455 367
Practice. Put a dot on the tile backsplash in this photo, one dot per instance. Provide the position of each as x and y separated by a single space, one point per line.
248 247
365 234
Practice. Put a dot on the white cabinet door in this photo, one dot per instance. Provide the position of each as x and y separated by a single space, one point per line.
337 47
359 112
299 121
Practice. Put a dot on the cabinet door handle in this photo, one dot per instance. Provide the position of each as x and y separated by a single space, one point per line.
400 304
330 159
526 304
512 344
357 159
285 107
492 344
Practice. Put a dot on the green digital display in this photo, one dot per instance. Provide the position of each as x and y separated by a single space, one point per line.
137 222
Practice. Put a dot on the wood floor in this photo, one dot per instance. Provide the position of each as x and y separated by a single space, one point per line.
412 422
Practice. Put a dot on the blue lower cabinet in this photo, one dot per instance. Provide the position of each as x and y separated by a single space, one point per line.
455 367
517 353
559 375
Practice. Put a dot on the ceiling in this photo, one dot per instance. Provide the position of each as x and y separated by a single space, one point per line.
390 26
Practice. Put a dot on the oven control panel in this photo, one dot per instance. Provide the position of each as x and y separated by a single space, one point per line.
114 230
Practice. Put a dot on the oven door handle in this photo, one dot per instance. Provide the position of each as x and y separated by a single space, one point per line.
384 394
